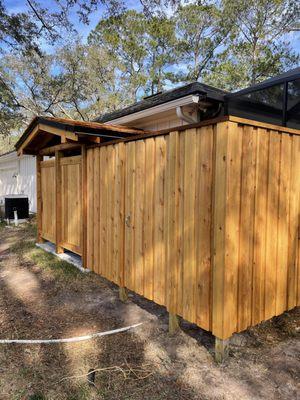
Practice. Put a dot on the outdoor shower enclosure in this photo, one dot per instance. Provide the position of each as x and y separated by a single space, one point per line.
203 219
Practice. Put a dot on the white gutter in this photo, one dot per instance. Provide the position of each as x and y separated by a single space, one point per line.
170 105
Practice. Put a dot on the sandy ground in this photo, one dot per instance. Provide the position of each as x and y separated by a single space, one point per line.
147 363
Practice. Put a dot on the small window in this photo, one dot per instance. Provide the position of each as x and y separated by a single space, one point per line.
262 105
293 104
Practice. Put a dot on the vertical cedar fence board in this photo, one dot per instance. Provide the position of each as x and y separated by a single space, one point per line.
204 221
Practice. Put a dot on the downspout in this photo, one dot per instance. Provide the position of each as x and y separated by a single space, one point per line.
186 118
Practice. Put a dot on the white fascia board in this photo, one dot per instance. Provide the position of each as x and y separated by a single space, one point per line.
151 111
9 157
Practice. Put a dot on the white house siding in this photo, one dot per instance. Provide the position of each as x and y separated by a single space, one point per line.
17 176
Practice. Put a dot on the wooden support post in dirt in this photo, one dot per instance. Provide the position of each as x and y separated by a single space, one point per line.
123 294
84 206
58 180
221 349
39 159
173 323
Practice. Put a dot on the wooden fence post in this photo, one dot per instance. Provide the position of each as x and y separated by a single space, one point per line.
173 323
84 205
58 205
39 159
221 349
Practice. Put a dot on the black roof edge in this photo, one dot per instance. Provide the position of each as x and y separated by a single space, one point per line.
276 80
209 92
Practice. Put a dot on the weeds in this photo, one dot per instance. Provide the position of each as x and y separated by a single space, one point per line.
26 250
37 396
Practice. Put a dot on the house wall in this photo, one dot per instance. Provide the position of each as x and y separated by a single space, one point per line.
18 176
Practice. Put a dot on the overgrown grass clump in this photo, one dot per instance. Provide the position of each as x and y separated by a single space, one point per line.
2 224
27 251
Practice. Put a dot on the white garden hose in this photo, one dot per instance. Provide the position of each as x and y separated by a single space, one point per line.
69 340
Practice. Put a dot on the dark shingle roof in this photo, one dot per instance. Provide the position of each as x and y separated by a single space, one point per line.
193 88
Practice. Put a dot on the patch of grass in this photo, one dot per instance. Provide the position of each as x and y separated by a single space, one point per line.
37 396
49 261
30 229
22 247
2 225
82 393
27 250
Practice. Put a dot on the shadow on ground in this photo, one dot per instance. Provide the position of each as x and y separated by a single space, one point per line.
43 298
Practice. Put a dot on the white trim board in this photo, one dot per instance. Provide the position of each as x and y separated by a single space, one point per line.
151 111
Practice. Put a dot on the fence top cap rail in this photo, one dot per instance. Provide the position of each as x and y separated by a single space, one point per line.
214 121
75 130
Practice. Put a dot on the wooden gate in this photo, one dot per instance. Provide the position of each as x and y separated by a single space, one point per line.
71 204
61 199
48 208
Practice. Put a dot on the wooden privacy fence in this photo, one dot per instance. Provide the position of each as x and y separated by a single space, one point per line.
131 237
204 221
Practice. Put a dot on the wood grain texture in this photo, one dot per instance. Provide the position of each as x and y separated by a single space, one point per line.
48 194
259 239
204 221
71 206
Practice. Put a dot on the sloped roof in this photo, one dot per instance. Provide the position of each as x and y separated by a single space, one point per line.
209 92
79 127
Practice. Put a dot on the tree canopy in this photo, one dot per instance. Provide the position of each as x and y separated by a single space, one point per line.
47 68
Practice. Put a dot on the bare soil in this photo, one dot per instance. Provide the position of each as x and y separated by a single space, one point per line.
41 297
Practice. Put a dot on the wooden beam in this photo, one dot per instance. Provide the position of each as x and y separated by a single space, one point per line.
84 205
58 132
92 139
39 159
33 134
58 188
47 151
70 160
48 129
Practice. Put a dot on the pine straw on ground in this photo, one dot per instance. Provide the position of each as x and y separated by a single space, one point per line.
43 297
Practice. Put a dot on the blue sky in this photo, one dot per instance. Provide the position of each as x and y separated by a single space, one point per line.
14 6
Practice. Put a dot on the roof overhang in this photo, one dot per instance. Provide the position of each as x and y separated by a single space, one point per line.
45 131
159 109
